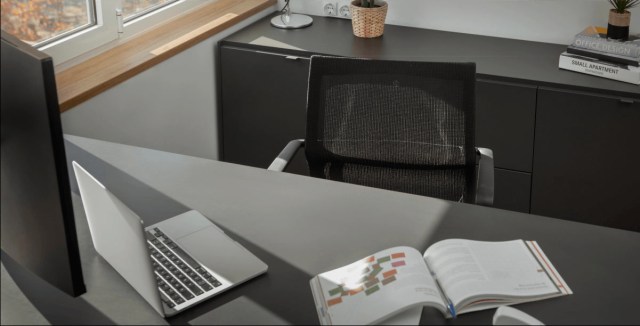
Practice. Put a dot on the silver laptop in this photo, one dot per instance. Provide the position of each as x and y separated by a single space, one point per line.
173 264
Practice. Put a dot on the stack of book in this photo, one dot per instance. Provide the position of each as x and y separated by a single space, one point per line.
593 53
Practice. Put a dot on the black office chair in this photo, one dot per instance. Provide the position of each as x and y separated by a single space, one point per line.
396 125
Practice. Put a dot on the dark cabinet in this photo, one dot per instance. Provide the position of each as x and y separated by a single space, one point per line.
263 98
512 190
557 152
587 158
505 117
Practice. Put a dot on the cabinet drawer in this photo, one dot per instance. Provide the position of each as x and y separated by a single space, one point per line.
263 97
505 117
512 190
586 165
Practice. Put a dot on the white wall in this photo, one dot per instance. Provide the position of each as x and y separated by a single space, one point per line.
553 21
171 106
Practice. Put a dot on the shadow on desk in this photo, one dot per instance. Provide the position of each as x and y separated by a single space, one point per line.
598 263
282 296
56 306
266 294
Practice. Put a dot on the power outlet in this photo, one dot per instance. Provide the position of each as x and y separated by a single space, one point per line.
336 8
329 8
344 11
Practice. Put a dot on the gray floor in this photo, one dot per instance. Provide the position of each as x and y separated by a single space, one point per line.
15 308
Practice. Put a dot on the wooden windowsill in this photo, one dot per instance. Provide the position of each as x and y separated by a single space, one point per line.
97 74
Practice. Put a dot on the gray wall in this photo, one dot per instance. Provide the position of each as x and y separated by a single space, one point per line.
170 107
552 21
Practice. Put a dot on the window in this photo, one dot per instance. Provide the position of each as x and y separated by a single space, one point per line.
65 29
39 21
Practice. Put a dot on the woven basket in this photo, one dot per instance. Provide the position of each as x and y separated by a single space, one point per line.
368 22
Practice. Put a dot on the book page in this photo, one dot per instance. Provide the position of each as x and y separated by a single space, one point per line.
375 288
480 273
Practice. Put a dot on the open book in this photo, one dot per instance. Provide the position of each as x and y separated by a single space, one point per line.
455 276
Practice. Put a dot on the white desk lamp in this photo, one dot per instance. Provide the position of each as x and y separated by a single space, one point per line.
289 20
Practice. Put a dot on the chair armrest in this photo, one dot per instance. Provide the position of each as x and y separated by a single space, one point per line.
281 162
485 185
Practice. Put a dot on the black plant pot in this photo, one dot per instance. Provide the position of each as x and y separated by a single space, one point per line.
618 28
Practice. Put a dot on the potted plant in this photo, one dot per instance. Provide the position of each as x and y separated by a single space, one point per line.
620 18
367 17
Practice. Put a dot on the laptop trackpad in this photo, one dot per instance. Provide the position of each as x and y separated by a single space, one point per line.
214 249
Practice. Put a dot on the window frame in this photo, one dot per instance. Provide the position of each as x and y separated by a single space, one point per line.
93 21
109 29
159 15
104 31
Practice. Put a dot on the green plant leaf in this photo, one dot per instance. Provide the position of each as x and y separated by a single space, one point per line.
621 5
367 3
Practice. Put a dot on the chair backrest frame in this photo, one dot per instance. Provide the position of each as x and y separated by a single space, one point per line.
329 75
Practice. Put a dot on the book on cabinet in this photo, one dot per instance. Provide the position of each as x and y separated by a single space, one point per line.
599 68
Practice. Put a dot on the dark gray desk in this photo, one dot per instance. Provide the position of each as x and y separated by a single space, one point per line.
302 226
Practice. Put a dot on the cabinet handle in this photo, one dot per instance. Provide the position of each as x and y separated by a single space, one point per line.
626 101
288 57
295 58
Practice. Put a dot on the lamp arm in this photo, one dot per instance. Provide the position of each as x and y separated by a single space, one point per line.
286 12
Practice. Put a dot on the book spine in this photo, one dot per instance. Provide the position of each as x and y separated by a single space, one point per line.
600 70
603 45
603 56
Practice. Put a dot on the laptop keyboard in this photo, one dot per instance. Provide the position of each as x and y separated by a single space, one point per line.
180 278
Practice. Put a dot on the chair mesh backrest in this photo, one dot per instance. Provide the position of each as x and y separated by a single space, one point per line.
397 125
